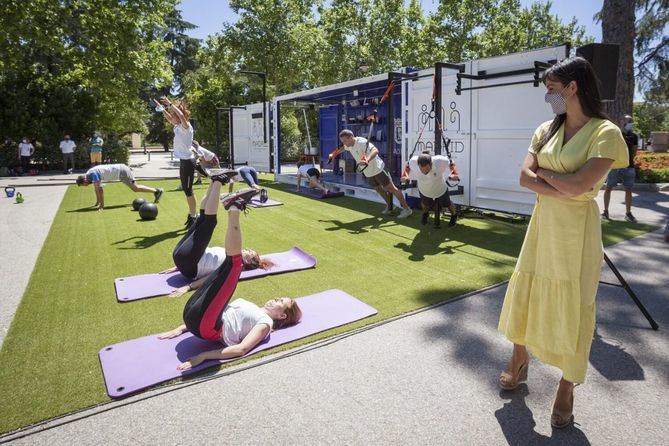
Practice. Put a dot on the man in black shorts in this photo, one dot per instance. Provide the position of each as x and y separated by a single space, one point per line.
367 160
313 174
430 174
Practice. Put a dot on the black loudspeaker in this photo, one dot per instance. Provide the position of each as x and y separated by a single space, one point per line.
604 60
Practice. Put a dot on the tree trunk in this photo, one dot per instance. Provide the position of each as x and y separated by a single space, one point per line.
618 27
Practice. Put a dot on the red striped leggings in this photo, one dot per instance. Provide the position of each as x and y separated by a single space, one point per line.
202 313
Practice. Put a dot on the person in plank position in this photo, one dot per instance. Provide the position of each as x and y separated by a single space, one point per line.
114 172
367 159
313 174
431 174
239 325
193 257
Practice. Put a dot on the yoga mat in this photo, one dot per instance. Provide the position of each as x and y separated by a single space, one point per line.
134 365
313 193
258 204
152 285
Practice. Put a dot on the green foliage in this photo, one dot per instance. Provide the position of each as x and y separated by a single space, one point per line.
77 65
651 41
650 117
653 176
292 143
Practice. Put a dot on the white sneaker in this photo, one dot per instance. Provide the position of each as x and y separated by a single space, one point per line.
405 213
387 211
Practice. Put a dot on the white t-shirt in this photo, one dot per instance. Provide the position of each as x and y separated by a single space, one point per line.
107 172
304 168
358 149
206 154
432 185
183 141
67 146
26 149
239 318
212 258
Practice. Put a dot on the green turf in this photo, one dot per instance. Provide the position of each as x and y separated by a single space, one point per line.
69 310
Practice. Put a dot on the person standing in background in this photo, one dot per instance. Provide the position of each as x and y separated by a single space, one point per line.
67 146
26 150
96 149
626 175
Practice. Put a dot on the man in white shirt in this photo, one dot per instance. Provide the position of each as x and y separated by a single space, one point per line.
114 172
67 146
26 150
430 174
371 165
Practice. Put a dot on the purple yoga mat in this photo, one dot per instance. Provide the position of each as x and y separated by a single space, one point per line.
313 193
152 285
258 204
134 365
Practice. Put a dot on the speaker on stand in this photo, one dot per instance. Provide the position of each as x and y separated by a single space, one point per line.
604 60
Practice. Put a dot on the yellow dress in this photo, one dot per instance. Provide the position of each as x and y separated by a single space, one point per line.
550 302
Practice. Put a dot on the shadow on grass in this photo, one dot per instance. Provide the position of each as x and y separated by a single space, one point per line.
94 208
144 242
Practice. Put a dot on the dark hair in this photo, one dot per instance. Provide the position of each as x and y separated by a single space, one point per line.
424 159
346 132
300 164
81 179
574 69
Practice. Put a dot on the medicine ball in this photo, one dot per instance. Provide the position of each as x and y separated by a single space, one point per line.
137 203
148 211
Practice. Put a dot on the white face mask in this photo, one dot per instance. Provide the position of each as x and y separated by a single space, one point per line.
557 101
628 127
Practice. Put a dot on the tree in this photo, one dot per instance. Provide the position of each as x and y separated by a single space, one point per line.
617 17
652 40
95 54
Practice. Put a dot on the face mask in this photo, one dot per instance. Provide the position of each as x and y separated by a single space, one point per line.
557 101
628 127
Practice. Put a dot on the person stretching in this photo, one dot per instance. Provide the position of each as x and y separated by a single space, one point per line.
239 325
179 115
114 172
193 257
429 172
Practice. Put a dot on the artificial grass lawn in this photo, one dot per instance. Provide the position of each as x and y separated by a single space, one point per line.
69 310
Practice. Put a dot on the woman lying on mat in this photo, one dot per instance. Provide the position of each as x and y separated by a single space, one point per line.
313 174
192 256
239 325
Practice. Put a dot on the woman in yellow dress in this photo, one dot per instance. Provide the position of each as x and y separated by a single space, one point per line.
549 307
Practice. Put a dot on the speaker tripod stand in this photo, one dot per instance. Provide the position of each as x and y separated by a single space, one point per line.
630 292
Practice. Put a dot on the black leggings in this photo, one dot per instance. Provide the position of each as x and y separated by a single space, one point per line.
187 175
191 247
202 313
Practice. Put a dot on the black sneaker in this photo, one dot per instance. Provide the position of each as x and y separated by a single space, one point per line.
201 169
189 221
157 194
263 196
423 218
239 199
453 220
223 176
605 215
630 218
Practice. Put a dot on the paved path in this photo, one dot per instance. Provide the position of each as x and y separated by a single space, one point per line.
24 227
429 377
